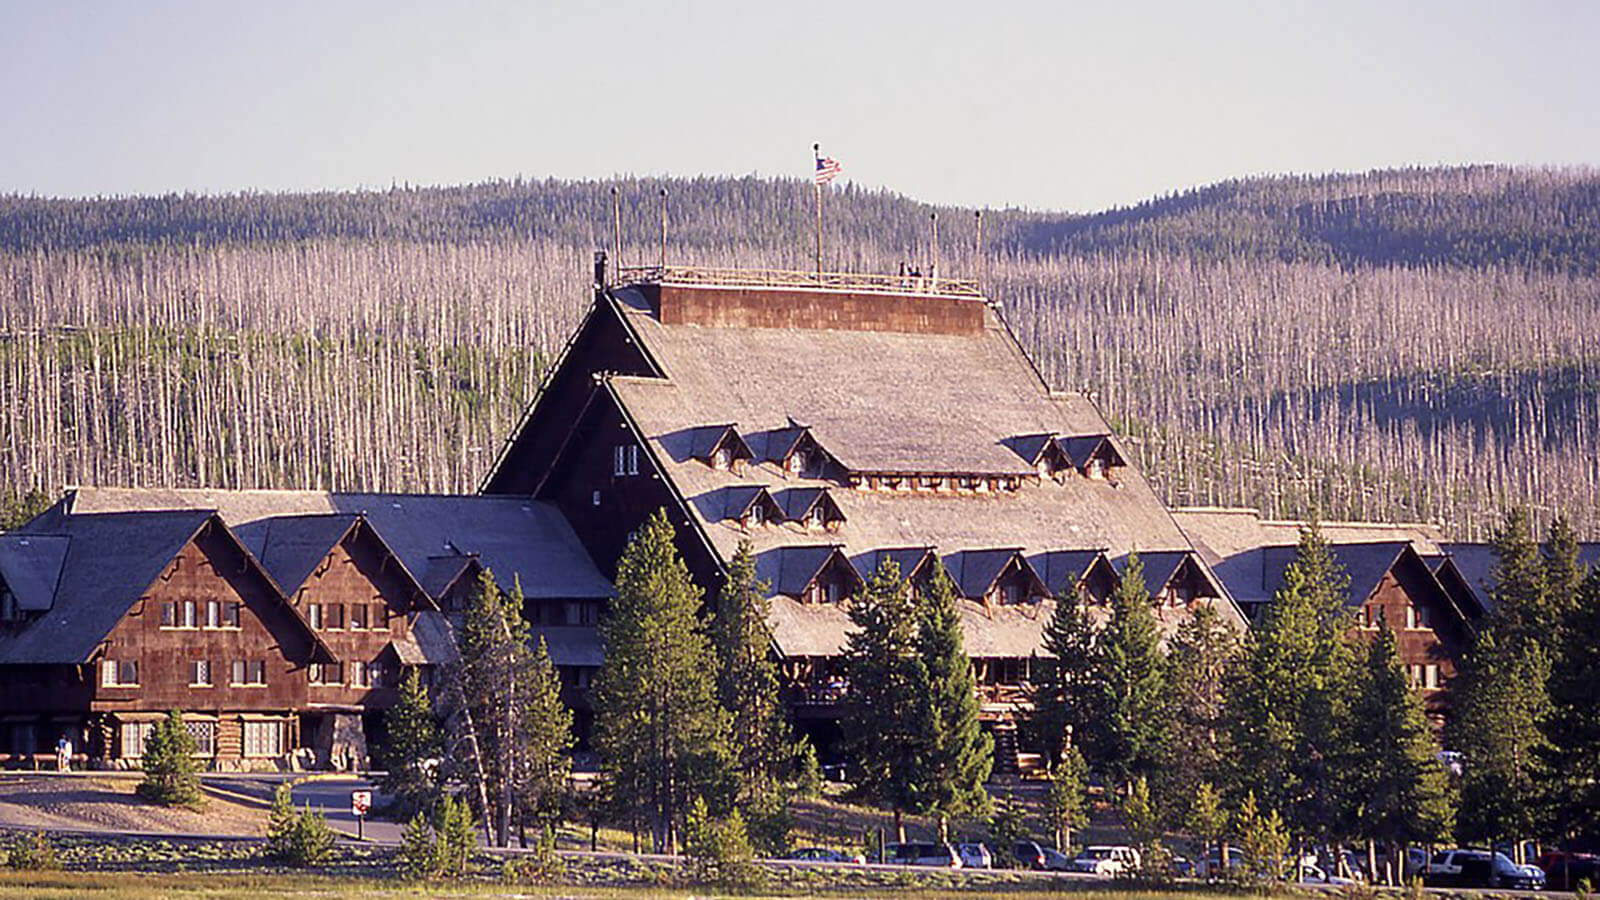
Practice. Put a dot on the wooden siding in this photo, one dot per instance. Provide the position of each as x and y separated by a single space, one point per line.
209 568
1437 644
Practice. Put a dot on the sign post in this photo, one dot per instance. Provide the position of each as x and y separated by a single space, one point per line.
360 802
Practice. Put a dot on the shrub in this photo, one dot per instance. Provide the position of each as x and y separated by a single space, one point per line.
34 852
170 777
457 836
543 866
297 839
418 857
719 848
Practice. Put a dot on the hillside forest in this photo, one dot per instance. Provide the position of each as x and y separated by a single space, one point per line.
1412 345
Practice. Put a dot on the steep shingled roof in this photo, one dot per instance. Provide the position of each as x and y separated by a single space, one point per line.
112 559
517 538
30 566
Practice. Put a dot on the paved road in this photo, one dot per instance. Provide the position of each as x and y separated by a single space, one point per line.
332 796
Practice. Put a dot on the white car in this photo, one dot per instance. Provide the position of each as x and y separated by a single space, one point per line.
1106 859
975 856
1310 873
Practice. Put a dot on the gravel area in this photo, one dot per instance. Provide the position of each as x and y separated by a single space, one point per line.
92 802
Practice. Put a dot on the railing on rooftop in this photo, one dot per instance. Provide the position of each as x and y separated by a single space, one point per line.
777 278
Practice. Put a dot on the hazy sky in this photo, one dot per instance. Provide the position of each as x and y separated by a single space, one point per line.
1055 105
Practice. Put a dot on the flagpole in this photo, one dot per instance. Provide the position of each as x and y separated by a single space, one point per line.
816 152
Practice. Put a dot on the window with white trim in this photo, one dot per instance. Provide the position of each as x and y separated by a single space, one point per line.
204 733
119 672
200 673
132 737
263 738
327 673
248 672
625 460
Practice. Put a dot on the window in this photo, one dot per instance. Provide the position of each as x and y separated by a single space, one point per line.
205 736
1430 676
327 673
230 615
200 673
190 617
169 614
379 617
1417 617
835 591
333 615
314 615
625 459
722 459
817 517
1011 593
358 616
249 672
755 515
132 736
1371 616
119 673
797 462
213 614
263 738
596 498
366 674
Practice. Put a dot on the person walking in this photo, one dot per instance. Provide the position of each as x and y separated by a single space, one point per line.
64 754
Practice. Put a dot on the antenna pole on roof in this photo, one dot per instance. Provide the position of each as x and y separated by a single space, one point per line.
663 232
816 184
616 227
933 269
978 246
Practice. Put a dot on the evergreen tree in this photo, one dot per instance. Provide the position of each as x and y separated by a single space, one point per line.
1066 680
1288 718
1499 705
512 693
1501 697
412 748
888 709
1132 729
661 734
1202 653
1402 792
747 683
960 755
170 773
1573 729
1563 578
1208 821
1067 803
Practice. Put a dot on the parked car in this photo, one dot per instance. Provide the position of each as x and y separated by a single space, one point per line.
1028 854
1106 859
1313 874
1056 861
1562 869
1211 866
826 854
975 855
1182 867
942 856
1481 869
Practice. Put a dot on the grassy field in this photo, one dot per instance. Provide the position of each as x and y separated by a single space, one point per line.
72 885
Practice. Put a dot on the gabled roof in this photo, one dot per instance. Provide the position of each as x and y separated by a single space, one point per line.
1085 447
705 441
293 547
913 562
518 539
1063 570
112 559
1161 567
798 502
790 570
30 566
1037 448
1476 563
429 641
739 499
975 572
441 573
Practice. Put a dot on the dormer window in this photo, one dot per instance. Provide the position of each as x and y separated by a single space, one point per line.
817 517
755 515
797 462
720 447
722 459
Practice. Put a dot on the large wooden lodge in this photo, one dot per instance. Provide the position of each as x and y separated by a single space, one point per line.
833 423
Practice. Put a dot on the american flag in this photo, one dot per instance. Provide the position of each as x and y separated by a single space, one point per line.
827 169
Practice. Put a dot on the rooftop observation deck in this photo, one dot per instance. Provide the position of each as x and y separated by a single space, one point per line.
843 282
767 298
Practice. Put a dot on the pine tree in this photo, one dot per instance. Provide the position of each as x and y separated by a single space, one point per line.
1563 577
170 773
1573 729
1402 790
512 693
1501 697
661 734
1132 732
1067 803
1288 719
412 748
960 755
747 683
1202 653
1066 685
888 708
